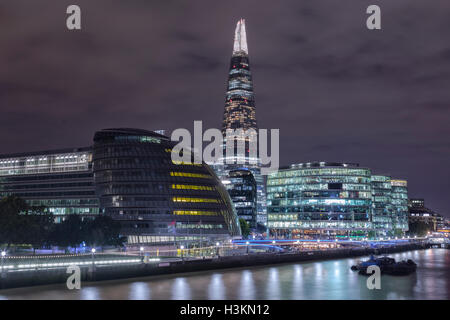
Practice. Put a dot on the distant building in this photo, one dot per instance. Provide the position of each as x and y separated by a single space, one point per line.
241 187
328 200
400 204
383 217
127 174
61 180
419 213
161 132
240 113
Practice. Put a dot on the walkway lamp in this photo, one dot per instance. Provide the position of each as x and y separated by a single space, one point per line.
247 243
217 248
182 248
3 257
141 251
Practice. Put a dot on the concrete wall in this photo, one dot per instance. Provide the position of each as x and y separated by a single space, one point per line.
43 277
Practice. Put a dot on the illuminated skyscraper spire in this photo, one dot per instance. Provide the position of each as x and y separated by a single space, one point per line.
239 110
240 113
240 38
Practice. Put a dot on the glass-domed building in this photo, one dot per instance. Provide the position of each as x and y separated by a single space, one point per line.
157 200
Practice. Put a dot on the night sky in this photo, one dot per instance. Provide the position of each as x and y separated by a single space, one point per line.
336 90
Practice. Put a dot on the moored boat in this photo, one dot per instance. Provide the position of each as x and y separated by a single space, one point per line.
387 265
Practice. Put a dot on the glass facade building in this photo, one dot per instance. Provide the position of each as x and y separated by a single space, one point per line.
129 175
241 187
400 204
383 217
327 200
60 180
155 199
419 213
240 113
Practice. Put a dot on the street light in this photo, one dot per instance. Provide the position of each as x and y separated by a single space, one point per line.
182 248
247 243
217 250
141 250
3 257
93 254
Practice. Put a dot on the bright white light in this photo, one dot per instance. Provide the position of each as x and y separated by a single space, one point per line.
273 241
217 244
247 243
141 248
93 250
3 253
181 247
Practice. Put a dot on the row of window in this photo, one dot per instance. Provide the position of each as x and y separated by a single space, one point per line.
187 199
320 224
195 213
191 187
189 175
68 168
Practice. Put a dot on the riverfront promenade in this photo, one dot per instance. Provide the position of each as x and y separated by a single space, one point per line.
21 271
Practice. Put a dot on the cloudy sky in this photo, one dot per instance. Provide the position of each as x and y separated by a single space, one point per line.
336 90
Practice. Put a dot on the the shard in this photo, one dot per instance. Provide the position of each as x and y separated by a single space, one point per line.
240 113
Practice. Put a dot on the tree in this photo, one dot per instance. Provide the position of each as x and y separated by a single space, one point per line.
419 228
23 224
398 232
245 228
10 222
70 233
371 234
39 228
103 231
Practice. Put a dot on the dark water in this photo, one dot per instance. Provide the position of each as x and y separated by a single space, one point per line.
314 280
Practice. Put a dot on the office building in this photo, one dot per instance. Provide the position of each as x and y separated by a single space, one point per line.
241 187
331 200
240 113
419 213
127 174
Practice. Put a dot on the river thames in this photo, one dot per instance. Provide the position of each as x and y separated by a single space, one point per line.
331 279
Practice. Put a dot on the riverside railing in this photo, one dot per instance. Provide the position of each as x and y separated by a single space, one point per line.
23 263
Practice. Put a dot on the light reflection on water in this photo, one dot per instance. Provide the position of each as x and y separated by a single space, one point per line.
247 287
216 290
273 284
139 291
331 279
181 289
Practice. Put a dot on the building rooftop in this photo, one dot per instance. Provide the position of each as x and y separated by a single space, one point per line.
318 164
44 152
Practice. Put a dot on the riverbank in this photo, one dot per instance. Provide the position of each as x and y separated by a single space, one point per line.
26 278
